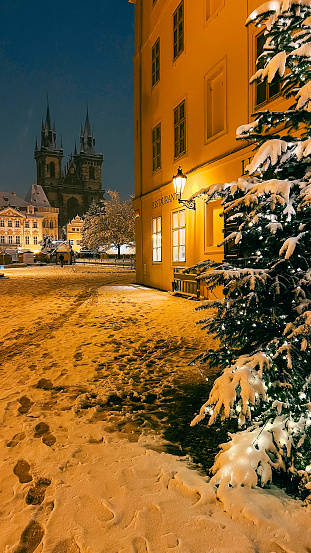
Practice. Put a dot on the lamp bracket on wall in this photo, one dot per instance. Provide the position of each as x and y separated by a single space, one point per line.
190 204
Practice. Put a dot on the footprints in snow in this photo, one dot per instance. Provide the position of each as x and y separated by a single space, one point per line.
42 430
21 470
30 538
35 495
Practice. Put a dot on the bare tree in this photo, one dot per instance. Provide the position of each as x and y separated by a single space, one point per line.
109 225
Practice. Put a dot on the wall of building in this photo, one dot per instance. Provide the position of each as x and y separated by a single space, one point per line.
211 76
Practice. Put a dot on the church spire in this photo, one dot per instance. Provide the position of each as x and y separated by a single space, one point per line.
48 134
87 139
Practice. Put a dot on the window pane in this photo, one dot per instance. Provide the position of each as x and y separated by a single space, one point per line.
182 218
175 237
182 236
175 253
182 253
175 219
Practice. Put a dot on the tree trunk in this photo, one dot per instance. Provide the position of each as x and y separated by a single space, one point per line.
119 251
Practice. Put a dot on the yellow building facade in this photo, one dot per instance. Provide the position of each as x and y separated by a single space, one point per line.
192 65
74 233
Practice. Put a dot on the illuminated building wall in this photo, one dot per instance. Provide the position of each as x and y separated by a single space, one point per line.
192 64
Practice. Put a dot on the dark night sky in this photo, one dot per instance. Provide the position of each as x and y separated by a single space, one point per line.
78 52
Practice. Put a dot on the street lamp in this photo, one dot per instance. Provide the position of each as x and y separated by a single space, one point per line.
179 181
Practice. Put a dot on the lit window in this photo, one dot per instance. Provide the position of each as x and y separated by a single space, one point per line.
156 148
156 62
179 235
35 224
265 91
10 239
157 239
180 129
178 30
27 240
26 224
10 224
35 240
1 222
17 224
17 239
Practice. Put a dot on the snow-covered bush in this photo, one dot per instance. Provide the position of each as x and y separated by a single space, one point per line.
263 321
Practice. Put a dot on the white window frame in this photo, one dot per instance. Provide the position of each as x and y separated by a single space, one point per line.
179 236
157 239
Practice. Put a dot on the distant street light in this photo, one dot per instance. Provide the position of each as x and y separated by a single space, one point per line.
179 181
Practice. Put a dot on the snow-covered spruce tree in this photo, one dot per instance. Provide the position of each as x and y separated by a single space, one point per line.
263 322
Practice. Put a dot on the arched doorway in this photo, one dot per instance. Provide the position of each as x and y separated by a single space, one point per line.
73 208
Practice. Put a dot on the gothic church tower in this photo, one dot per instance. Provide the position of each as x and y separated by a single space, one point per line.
49 161
73 190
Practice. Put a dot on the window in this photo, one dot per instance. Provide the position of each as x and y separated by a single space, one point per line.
27 240
52 169
35 240
10 239
91 173
1 222
215 101
157 239
17 239
71 242
10 224
17 225
213 6
265 91
214 223
156 62
178 30
1 239
180 129
26 224
35 224
51 224
156 148
179 235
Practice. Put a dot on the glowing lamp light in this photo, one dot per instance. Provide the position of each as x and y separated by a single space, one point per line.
179 181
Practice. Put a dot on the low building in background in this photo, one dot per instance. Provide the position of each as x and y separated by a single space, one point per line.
36 197
74 233
24 223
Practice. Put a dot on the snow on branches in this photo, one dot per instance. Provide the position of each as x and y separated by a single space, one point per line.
242 375
263 325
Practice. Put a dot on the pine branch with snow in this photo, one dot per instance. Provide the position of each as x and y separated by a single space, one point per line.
263 325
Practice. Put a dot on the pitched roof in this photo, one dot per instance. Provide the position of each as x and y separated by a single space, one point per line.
9 199
36 196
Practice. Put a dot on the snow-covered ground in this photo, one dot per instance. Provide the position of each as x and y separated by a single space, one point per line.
90 363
